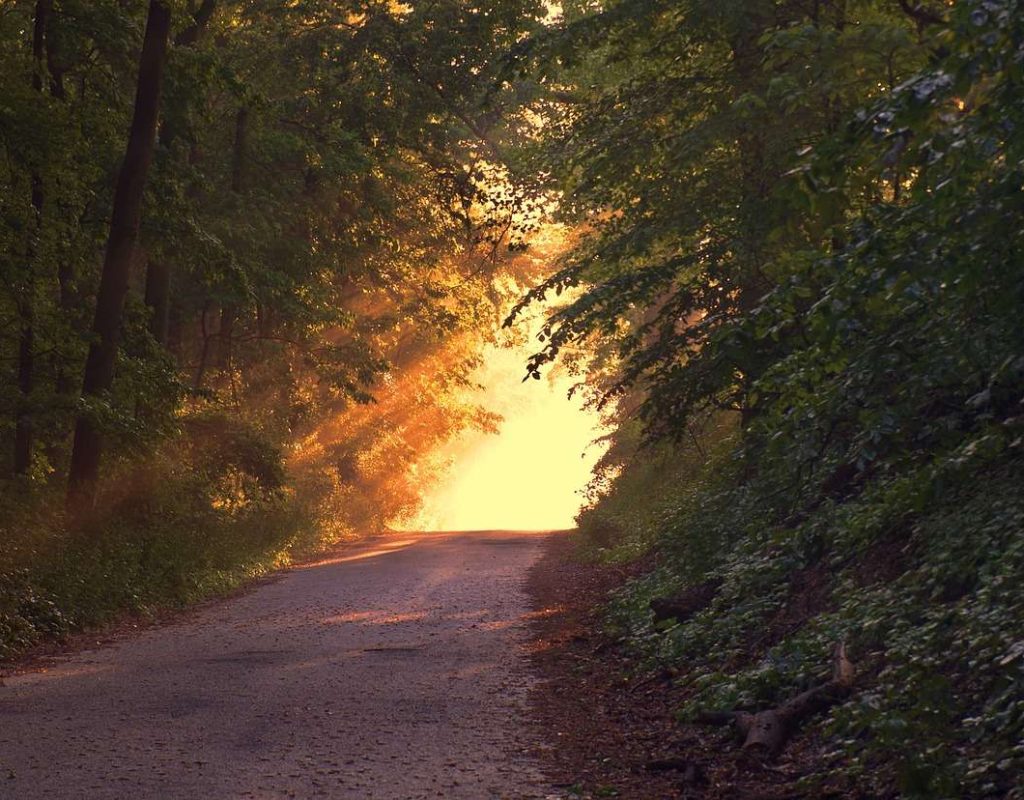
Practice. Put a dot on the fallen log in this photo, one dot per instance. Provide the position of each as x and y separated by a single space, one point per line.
765 733
692 777
689 602
668 764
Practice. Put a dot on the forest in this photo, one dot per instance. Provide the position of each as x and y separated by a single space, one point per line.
251 251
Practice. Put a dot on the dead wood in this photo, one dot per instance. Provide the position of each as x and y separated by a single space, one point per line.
765 733
668 765
684 605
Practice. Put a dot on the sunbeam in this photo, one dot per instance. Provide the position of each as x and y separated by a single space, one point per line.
529 475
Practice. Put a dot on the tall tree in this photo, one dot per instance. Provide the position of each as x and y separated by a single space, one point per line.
124 232
158 271
26 342
675 156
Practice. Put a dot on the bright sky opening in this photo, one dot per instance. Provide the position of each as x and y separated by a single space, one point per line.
528 476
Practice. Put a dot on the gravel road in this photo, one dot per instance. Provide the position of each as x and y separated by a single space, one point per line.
394 670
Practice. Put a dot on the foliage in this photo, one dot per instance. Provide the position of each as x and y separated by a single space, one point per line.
916 576
640 499
322 252
676 161
177 528
820 231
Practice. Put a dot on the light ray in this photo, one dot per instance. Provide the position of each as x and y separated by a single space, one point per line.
528 476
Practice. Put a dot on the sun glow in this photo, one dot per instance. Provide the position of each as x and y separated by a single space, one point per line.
530 474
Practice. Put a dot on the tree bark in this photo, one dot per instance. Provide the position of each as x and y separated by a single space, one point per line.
158 273
26 338
200 21
684 605
765 733
42 18
229 312
124 233
204 352
225 336
921 14
238 153
66 295
66 298
158 298
23 423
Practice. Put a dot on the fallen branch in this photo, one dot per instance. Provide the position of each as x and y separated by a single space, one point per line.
668 764
765 733
692 775
686 604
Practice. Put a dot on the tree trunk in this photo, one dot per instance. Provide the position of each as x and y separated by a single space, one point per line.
158 273
23 423
684 605
26 338
225 336
204 352
65 271
66 299
228 311
200 21
42 17
765 733
158 298
124 232
239 150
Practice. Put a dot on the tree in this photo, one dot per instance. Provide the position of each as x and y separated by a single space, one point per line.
674 143
26 344
323 173
124 231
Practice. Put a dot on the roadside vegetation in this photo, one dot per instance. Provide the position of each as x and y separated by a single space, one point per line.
803 265
249 252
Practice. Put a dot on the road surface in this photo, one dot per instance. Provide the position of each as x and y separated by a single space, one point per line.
392 671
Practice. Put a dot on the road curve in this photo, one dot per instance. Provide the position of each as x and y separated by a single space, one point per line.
392 671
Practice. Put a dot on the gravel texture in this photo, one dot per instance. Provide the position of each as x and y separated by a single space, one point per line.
395 670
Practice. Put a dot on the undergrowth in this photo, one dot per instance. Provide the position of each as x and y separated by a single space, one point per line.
918 574
207 513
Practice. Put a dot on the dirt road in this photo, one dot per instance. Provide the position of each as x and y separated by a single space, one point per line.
392 671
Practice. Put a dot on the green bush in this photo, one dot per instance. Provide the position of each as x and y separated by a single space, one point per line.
919 576
207 512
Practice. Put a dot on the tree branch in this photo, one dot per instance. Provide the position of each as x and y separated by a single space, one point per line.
200 21
921 14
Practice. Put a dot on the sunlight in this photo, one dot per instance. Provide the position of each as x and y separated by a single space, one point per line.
385 549
529 475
